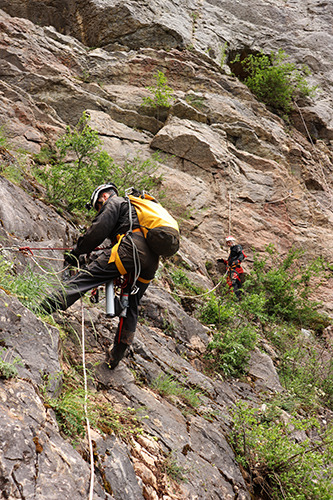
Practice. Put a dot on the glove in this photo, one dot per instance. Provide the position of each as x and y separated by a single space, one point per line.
70 260
222 261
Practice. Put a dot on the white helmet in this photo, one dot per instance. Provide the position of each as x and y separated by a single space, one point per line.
98 191
230 238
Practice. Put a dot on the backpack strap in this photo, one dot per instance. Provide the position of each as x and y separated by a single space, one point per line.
136 258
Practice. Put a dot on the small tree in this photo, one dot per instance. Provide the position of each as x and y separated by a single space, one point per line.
76 167
79 164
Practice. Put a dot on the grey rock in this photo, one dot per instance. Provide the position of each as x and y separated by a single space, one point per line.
29 219
117 469
35 462
262 368
34 343
190 141
167 314
185 111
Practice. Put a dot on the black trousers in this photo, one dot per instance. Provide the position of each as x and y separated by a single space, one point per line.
101 271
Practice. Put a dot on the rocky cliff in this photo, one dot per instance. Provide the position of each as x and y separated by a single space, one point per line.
226 158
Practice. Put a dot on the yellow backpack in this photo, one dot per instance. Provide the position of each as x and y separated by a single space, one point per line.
159 228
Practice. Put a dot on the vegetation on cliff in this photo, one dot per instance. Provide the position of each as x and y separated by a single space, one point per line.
277 308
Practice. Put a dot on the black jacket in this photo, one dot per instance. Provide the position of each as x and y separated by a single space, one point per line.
236 255
111 220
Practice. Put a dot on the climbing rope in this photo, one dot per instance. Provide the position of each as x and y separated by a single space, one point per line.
91 491
201 295
27 251
319 160
229 215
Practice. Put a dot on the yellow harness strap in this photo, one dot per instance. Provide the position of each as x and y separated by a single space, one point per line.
114 257
143 280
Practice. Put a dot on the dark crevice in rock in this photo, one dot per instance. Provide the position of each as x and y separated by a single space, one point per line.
235 58
313 185
18 486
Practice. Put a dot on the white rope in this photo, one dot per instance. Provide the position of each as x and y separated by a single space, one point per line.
229 227
52 273
313 146
34 257
91 492
198 296
47 258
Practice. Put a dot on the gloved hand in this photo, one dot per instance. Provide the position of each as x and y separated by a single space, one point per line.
70 260
222 261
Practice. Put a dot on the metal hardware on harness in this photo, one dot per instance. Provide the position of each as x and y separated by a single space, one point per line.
109 299
94 296
134 290
128 191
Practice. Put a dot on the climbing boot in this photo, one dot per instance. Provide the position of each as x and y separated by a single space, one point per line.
116 354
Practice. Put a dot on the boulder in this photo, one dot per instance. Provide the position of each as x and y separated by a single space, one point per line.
261 367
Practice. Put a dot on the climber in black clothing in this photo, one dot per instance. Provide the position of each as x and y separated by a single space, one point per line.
234 269
112 222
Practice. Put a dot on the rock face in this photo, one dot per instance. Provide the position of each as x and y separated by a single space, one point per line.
228 161
35 461
217 28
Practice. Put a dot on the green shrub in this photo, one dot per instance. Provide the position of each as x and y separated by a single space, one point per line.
210 312
218 311
13 161
275 81
8 368
254 304
28 286
166 385
163 94
182 281
280 288
78 164
138 173
305 366
230 351
3 138
280 466
69 408
307 375
171 467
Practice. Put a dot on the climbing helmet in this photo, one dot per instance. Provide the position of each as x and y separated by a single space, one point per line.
98 191
230 238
